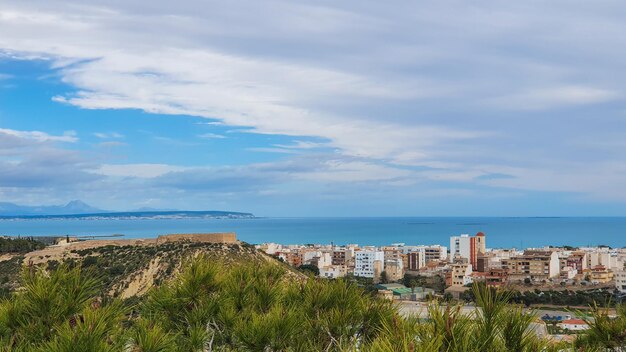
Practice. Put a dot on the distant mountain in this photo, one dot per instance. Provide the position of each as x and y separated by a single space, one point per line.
73 207
149 209
77 209
134 215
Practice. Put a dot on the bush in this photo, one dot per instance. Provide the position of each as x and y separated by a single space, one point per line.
19 245
258 307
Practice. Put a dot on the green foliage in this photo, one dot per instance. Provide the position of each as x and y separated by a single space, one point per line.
606 333
600 297
9 275
38 313
383 277
19 245
210 306
309 269
435 282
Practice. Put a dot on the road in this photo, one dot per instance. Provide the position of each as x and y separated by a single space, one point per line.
409 308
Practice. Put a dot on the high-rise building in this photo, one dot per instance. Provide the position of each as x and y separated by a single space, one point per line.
469 248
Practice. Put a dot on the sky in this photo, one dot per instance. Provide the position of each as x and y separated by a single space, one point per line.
316 108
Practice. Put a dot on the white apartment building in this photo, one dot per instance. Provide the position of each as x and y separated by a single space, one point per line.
324 259
308 255
599 257
435 253
460 247
369 263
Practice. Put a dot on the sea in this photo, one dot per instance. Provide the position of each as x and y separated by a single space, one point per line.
502 232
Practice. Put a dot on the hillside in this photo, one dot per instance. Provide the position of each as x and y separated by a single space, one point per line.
130 267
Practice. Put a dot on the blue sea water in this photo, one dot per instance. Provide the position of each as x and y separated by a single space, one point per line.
501 232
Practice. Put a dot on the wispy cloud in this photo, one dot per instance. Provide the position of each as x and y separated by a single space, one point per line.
211 136
137 170
68 136
547 98
108 135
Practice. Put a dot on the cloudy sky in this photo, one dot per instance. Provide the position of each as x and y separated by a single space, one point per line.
294 108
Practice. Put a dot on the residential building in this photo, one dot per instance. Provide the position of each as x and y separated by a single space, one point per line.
468 247
342 256
578 261
392 253
292 258
601 275
394 269
573 325
459 247
536 265
434 253
321 259
459 275
483 263
333 271
415 261
496 277
568 273
369 263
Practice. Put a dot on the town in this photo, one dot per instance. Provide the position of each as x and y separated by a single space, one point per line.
465 261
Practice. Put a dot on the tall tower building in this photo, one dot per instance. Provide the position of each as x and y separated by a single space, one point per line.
468 248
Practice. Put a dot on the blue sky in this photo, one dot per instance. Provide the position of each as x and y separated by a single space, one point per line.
316 108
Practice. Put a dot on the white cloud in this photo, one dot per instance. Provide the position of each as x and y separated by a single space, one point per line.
38 136
301 145
425 85
271 95
545 98
137 170
355 171
108 135
211 136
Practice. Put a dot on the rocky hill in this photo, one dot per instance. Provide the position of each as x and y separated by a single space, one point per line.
129 268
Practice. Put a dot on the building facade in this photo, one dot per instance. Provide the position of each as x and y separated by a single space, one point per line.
459 275
535 265
368 263
468 248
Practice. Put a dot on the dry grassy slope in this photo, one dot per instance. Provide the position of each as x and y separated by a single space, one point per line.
132 269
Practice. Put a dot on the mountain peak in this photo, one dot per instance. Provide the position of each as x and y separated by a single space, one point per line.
78 206
77 203
73 207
